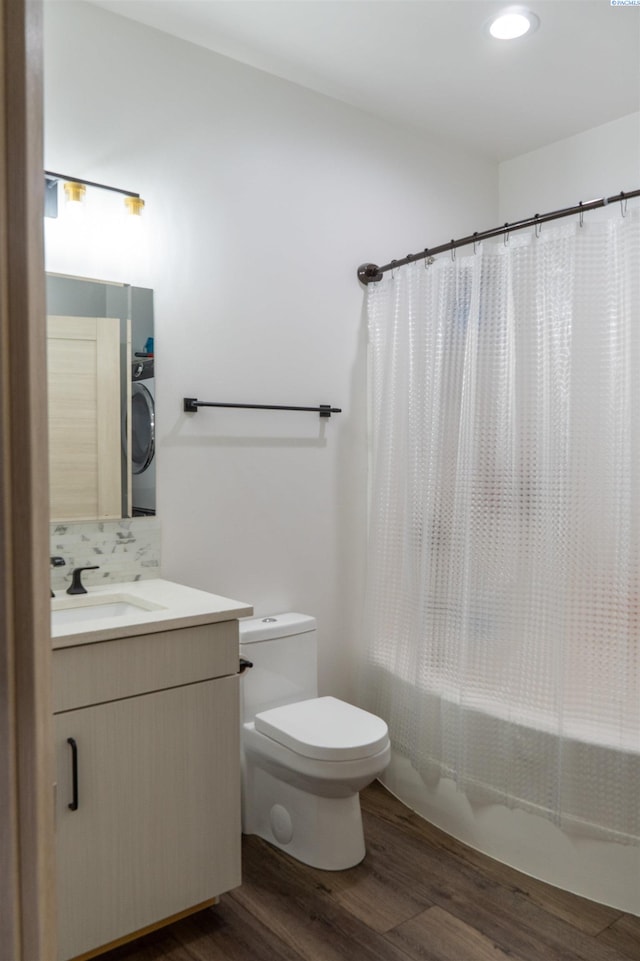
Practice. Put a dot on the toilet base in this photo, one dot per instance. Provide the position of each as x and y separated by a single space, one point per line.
323 832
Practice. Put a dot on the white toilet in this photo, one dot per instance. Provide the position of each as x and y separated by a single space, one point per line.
304 758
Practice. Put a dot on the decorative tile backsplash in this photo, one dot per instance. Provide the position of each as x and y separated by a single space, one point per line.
124 550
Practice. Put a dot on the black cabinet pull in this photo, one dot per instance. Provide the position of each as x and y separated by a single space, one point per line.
73 806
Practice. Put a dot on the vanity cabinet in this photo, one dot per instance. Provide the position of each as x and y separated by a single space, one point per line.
148 823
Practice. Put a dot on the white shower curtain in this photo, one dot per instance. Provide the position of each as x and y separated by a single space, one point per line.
503 599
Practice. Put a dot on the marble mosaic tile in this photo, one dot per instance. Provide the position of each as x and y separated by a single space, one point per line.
124 550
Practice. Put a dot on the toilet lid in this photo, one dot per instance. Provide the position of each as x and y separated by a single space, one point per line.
324 728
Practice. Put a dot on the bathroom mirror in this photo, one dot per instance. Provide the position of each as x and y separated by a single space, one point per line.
101 377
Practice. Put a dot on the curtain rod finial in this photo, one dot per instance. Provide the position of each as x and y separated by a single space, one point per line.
369 273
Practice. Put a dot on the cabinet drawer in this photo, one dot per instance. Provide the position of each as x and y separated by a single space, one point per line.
110 670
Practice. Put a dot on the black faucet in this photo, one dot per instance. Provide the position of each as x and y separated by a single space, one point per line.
76 583
56 562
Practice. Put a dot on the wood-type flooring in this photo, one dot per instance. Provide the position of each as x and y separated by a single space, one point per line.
419 895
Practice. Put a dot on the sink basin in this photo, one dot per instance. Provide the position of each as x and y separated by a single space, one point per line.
67 611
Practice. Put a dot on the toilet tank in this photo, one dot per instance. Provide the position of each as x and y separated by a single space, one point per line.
284 652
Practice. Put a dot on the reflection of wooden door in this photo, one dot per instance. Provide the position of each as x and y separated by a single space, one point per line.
84 417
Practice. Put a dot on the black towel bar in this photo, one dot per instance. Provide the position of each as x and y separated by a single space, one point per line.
191 405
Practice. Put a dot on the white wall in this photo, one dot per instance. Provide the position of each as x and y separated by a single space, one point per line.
262 199
597 163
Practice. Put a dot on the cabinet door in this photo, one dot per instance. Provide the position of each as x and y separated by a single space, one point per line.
157 826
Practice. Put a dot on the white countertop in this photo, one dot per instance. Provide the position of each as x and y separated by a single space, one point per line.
166 606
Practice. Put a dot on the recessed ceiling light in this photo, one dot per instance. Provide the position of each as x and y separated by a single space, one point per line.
512 23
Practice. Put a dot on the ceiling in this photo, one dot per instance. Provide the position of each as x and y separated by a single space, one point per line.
431 64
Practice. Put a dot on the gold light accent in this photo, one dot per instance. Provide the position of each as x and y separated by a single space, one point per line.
74 191
134 205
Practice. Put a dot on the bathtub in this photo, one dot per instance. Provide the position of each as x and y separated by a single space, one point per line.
578 856
591 849
603 871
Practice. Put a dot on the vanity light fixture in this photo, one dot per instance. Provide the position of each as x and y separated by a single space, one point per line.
513 22
75 189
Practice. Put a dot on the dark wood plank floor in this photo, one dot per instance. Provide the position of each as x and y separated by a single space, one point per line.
419 895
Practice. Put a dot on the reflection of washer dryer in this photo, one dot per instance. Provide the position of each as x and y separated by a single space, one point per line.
143 437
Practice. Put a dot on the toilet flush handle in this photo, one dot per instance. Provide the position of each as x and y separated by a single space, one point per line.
244 664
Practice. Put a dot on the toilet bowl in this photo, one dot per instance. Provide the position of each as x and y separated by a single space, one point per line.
304 758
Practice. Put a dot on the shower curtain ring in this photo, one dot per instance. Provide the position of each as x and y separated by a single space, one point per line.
475 241
453 251
505 236
393 272
581 215
623 203
537 226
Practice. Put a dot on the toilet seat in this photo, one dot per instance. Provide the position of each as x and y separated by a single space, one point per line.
324 728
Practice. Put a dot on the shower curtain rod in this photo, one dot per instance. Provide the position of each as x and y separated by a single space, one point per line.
370 273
